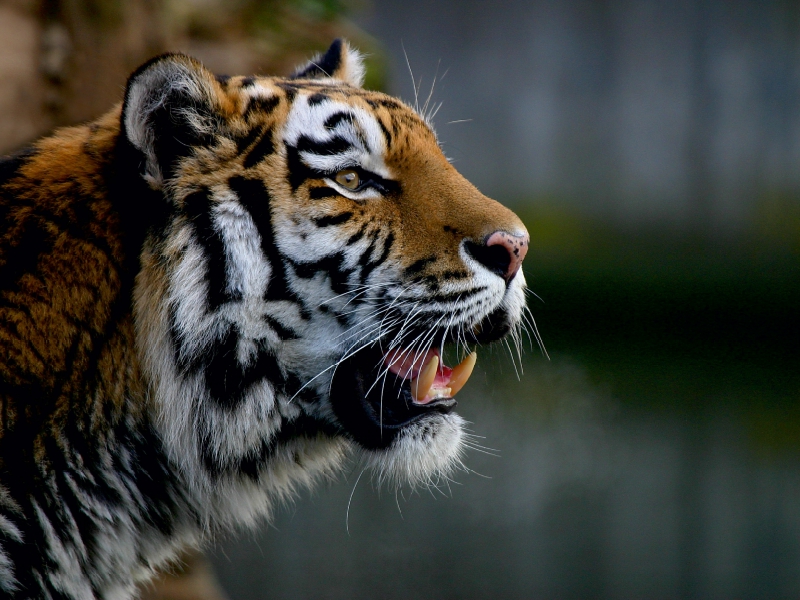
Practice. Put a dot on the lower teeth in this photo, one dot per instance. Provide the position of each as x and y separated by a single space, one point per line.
437 393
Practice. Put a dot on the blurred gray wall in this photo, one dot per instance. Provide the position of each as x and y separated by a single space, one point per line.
685 113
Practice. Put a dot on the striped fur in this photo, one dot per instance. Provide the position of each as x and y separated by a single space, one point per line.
180 281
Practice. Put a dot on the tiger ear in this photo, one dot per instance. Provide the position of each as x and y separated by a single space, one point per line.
340 61
172 104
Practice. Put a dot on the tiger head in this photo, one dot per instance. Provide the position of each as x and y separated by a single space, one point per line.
313 251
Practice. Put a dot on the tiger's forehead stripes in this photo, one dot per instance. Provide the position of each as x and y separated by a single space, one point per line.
266 99
331 135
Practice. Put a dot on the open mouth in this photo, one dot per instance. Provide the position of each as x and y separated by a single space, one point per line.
375 394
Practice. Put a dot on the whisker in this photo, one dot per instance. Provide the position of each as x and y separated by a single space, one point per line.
435 112
413 81
430 93
536 334
347 515
534 294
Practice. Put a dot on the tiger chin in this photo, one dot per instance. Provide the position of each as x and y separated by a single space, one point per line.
216 293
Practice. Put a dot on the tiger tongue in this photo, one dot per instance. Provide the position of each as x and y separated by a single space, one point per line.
430 379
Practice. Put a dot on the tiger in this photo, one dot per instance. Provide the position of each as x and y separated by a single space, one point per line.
220 292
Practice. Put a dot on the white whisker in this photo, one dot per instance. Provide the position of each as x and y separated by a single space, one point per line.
347 515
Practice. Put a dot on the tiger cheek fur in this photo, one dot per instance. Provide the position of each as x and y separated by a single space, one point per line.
266 268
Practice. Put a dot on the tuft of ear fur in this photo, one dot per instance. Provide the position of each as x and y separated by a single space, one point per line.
172 103
340 62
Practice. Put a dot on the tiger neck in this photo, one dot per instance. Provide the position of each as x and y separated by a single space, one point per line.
73 417
73 356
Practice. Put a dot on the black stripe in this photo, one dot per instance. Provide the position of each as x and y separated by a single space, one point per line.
248 82
336 118
262 149
197 207
365 258
386 103
456 274
227 379
254 196
323 191
332 266
391 104
264 106
456 296
250 464
298 170
245 142
417 266
291 90
386 134
371 265
336 145
357 235
283 332
431 281
317 98
329 220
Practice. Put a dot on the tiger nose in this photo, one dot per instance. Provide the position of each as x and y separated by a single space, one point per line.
515 246
501 253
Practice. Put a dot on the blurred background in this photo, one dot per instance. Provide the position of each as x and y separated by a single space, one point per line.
653 150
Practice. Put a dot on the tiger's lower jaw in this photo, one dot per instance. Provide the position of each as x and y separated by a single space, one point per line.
406 441
422 454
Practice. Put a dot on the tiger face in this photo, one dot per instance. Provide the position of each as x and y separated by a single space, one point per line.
316 253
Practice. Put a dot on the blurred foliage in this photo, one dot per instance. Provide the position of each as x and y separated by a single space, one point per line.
281 33
66 61
265 12
101 13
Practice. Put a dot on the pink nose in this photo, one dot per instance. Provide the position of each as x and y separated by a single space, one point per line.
516 246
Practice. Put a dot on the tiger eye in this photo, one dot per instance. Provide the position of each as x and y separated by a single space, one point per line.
348 178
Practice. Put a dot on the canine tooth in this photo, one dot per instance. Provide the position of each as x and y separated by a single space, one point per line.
421 385
462 372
